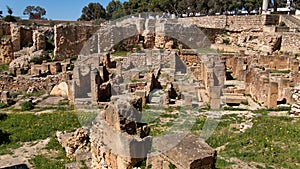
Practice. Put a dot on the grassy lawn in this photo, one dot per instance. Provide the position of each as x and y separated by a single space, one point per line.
273 141
16 128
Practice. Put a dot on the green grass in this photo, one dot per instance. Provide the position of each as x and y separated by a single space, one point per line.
30 127
44 162
281 71
165 115
234 109
4 68
220 163
120 53
272 140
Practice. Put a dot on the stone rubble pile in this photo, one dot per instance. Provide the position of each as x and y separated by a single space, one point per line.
75 142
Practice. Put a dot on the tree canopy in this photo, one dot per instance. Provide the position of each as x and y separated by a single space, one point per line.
92 12
34 12
116 9
9 10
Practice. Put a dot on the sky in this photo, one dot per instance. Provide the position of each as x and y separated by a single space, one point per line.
55 9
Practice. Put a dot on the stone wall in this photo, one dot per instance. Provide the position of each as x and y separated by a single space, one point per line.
262 73
22 83
4 28
6 50
290 42
69 39
234 23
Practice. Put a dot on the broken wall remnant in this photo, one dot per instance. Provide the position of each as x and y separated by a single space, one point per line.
119 140
69 39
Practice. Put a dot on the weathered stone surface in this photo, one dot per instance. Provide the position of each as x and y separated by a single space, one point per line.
189 153
24 61
69 39
60 90
6 50
75 142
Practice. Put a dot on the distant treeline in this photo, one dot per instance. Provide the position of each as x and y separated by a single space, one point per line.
115 9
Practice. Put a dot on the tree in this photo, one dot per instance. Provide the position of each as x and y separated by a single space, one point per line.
34 12
9 10
250 5
93 12
9 18
114 9
1 14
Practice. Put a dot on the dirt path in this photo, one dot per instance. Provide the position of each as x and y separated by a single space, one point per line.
22 154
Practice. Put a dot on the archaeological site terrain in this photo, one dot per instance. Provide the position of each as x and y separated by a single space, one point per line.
151 91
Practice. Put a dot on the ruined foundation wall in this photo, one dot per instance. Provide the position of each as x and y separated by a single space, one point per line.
14 84
290 42
235 23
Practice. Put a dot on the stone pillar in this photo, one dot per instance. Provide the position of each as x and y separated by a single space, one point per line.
265 7
39 41
215 97
272 95
94 86
15 37
5 97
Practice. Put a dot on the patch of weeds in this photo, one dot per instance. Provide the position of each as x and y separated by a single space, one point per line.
36 60
226 41
146 106
169 109
15 94
63 103
30 127
271 140
7 148
198 125
206 50
2 105
220 163
172 166
44 162
234 109
281 71
155 131
245 103
26 106
34 94
120 53
53 144
86 118
4 68
165 115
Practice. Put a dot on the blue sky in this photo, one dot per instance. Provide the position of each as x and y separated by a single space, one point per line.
55 9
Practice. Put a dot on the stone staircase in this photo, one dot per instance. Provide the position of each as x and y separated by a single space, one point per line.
292 22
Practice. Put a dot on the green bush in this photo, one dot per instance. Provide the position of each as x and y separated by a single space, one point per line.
25 106
9 18
29 44
36 60
2 105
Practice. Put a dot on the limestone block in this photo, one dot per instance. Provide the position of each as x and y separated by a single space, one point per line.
60 90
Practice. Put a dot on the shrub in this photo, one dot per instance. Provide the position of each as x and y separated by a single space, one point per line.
9 18
2 105
36 60
25 106
29 44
